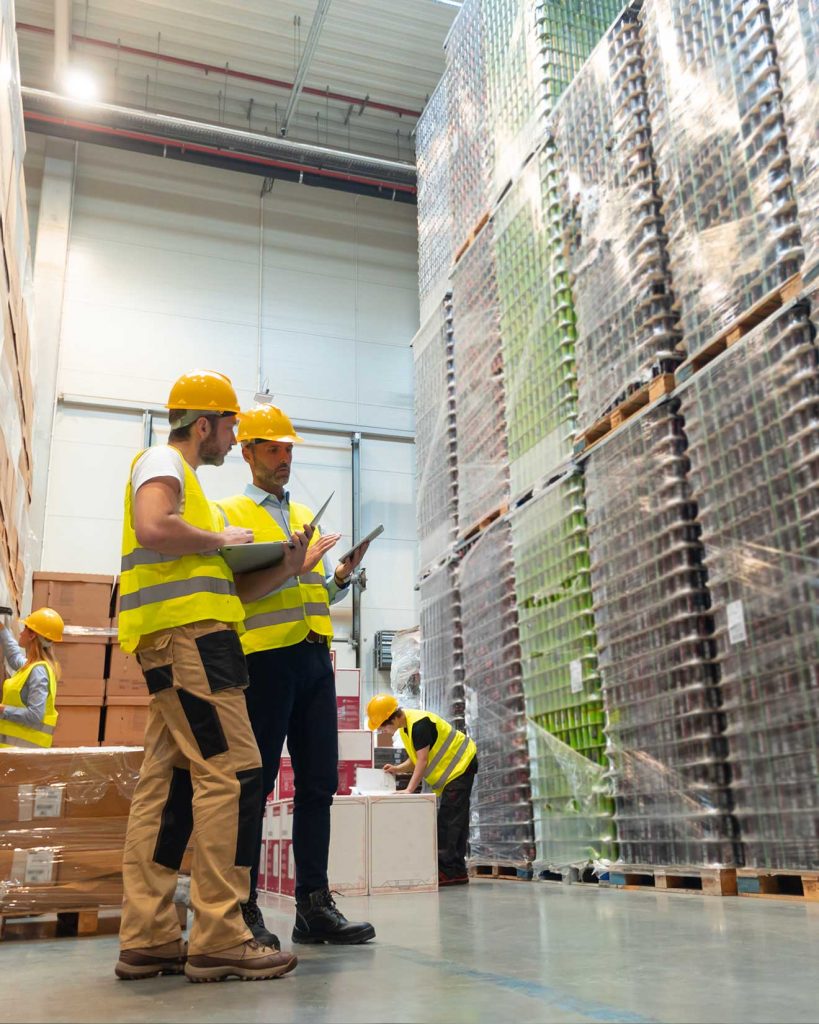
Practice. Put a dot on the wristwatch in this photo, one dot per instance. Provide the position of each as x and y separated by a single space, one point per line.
345 584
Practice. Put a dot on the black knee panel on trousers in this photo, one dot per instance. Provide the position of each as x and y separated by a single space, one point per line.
176 824
203 718
223 660
250 798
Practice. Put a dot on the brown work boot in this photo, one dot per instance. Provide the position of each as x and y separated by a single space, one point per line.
249 961
134 964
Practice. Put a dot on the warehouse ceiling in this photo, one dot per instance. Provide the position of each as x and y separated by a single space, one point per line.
233 62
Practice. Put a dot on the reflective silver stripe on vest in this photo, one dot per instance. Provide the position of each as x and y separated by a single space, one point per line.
277 618
15 741
144 556
177 588
433 764
312 577
314 608
453 764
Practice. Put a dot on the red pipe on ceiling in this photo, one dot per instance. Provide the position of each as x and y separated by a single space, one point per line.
215 69
213 151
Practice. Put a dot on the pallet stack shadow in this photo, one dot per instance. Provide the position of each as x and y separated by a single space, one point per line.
16 355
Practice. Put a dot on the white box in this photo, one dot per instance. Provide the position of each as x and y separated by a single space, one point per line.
403 843
348 698
355 750
347 867
287 861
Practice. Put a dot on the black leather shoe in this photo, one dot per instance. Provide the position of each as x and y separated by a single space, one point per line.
318 919
255 922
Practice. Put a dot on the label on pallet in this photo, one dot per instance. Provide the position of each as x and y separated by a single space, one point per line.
48 801
576 675
39 867
736 623
25 802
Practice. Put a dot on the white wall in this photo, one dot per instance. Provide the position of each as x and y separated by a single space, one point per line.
163 276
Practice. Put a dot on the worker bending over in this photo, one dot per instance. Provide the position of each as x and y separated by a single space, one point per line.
444 758
180 610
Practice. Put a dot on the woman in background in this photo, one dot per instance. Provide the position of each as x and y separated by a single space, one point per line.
28 713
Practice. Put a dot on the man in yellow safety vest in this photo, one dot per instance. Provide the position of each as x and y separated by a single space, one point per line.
180 610
292 685
444 758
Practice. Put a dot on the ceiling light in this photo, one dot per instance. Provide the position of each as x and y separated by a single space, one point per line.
79 84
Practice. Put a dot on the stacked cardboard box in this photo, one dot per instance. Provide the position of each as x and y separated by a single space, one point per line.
63 815
16 376
377 845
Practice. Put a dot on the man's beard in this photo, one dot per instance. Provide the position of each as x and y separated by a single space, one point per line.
268 478
210 453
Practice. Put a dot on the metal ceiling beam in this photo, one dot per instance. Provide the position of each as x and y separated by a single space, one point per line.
225 72
308 52
217 146
62 39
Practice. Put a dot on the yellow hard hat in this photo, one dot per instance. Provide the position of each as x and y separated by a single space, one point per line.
379 709
47 623
204 391
266 423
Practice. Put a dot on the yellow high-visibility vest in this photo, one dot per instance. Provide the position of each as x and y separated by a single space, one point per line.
12 734
451 753
286 616
159 591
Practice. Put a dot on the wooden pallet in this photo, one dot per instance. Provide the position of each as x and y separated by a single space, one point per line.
473 234
775 884
570 875
505 872
69 923
662 384
485 521
676 878
743 324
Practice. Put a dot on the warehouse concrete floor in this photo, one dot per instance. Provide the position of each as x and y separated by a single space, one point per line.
495 951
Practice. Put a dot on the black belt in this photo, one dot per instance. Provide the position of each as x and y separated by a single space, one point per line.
317 638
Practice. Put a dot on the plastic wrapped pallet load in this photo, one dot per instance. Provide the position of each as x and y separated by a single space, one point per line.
753 429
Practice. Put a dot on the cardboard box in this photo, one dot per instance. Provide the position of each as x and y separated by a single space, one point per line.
125 678
287 885
82 600
347 867
355 750
83 766
88 798
348 697
125 720
82 667
78 724
273 838
403 843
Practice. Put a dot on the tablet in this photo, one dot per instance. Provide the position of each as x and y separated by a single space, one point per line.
370 536
315 520
250 557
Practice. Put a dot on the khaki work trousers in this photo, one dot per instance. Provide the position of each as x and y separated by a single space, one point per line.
201 773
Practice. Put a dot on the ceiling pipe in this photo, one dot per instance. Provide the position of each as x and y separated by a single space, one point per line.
220 69
310 47
216 146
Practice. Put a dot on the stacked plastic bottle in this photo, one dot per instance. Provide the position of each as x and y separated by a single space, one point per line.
656 648
435 245
561 682
614 230
532 52
436 506
537 326
495 713
442 668
465 75
796 31
483 456
722 156
752 419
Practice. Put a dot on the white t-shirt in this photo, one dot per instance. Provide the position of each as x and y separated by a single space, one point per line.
159 461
